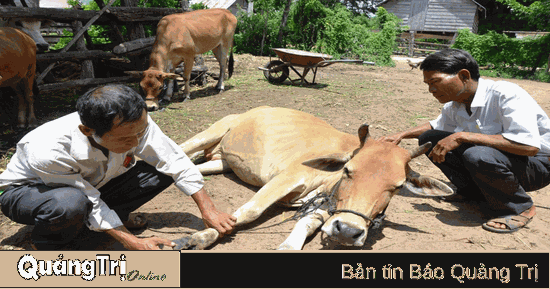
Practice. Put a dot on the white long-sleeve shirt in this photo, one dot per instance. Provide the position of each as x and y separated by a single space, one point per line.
499 108
58 154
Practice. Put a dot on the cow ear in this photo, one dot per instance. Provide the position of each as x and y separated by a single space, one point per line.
428 187
363 133
136 74
172 76
332 162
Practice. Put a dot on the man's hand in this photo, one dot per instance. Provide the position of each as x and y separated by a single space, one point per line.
152 243
131 242
222 222
394 138
443 147
212 218
410 133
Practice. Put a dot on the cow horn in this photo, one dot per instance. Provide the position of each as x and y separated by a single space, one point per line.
420 150
363 133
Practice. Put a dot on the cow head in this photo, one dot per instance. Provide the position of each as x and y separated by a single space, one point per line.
370 176
153 85
31 27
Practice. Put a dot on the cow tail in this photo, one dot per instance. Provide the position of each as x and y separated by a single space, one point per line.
231 64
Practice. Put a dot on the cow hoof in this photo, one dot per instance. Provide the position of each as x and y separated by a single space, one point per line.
184 244
198 241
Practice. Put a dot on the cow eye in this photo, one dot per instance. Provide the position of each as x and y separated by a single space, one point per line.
347 172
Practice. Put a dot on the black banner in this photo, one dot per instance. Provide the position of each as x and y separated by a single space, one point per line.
353 269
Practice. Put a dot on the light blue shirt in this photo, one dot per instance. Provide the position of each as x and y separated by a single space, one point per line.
58 154
499 108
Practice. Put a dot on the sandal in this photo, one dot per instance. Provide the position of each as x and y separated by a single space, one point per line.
136 223
512 222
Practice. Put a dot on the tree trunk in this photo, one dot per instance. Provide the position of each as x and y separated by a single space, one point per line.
265 32
283 22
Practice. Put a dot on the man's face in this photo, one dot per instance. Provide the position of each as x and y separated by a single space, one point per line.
124 137
444 87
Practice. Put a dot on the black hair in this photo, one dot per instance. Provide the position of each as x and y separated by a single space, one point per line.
451 61
99 107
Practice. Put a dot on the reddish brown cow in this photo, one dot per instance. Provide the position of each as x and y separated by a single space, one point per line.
17 70
179 38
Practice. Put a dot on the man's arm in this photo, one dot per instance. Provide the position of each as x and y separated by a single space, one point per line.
495 141
222 222
410 133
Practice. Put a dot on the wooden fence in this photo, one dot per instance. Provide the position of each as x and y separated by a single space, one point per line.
408 44
130 52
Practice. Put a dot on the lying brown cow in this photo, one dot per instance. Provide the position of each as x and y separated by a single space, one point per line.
179 38
17 70
294 157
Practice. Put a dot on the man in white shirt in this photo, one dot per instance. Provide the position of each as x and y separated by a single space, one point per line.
491 140
82 169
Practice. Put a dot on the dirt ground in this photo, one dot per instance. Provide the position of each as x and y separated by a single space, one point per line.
390 99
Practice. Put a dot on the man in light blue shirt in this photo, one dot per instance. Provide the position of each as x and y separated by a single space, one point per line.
491 140
83 169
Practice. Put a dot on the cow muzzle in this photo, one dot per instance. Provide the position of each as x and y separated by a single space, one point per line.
347 229
152 104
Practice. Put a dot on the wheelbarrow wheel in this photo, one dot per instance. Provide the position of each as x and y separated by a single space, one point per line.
276 72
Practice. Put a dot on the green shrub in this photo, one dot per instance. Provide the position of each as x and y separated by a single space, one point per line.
250 32
509 56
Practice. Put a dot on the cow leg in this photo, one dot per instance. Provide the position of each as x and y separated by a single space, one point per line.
308 224
209 137
189 61
214 167
305 228
221 56
276 189
22 111
26 104
169 96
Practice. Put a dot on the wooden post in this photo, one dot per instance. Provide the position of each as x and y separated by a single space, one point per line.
87 65
185 5
116 33
454 38
136 31
411 43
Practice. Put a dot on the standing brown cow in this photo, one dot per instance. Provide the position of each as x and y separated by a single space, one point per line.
179 38
17 70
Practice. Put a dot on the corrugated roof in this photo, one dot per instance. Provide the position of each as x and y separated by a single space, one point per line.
383 2
214 3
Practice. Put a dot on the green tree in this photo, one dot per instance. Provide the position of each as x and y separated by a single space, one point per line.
536 13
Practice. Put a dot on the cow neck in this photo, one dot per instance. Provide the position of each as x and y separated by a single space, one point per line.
157 61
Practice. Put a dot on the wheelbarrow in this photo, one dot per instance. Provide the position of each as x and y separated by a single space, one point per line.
277 71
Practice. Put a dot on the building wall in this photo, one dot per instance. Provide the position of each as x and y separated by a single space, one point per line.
436 15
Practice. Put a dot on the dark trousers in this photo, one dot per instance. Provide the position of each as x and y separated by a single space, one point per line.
59 213
500 178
